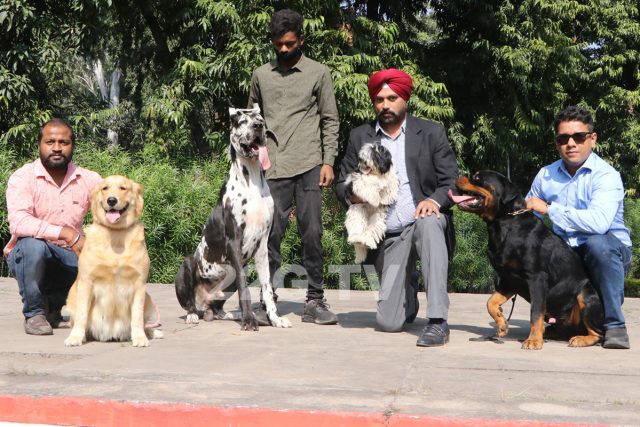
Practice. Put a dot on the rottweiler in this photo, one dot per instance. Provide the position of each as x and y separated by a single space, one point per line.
533 262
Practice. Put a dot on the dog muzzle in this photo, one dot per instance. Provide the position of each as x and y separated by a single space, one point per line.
114 215
262 153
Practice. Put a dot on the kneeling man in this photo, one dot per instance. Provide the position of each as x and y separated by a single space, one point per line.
419 223
47 201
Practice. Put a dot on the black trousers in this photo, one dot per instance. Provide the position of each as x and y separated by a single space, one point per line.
306 192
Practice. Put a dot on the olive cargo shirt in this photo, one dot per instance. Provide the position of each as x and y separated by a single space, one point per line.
299 106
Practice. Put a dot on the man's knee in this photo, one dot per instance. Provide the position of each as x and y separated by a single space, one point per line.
388 325
598 248
30 248
429 225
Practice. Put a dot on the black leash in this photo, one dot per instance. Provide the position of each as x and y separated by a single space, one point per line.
513 304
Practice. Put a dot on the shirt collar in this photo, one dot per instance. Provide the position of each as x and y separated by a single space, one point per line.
588 164
300 65
40 171
403 128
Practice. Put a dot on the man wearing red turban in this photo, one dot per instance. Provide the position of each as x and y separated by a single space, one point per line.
419 223
397 80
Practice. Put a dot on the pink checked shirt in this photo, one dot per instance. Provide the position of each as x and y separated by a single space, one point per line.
39 208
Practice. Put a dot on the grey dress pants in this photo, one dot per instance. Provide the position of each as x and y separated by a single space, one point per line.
423 240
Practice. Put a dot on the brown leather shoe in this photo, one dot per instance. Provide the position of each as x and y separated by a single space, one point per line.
37 325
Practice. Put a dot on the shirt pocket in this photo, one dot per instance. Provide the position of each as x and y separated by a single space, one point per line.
78 206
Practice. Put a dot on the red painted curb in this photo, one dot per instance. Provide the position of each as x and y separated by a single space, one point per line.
82 411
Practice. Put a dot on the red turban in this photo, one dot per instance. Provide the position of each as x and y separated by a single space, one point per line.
399 82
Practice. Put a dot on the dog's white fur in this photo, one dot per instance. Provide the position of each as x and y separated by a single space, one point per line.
108 301
366 222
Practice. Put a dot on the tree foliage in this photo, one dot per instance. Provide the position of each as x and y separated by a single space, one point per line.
510 66
494 72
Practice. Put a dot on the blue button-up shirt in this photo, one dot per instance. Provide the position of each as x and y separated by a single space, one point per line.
401 213
590 202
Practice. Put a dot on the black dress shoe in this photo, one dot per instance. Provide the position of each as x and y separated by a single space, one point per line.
434 335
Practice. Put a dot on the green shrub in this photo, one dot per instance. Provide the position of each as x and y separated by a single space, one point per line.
180 194
470 270
632 221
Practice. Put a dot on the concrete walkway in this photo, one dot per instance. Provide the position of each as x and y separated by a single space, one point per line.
348 370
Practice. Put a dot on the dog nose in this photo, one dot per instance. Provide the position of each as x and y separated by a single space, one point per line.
111 201
258 125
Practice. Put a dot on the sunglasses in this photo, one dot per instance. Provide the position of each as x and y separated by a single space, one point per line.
578 137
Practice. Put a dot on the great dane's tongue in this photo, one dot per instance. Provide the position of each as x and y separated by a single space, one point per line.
263 156
113 216
458 199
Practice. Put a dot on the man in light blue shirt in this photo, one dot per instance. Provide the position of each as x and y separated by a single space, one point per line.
583 196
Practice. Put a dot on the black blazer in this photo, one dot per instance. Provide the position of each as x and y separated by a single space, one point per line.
431 165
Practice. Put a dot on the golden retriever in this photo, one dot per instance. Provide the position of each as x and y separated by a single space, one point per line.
108 301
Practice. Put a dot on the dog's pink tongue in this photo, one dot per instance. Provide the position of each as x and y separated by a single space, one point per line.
458 199
263 156
113 216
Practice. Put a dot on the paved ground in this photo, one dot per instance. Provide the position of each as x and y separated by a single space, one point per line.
347 368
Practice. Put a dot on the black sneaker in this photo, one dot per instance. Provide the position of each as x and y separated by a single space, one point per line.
434 335
414 288
261 314
317 311
616 338
56 320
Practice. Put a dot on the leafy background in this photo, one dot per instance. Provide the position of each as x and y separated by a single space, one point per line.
494 72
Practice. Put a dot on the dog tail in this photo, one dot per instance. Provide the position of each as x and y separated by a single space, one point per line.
593 313
154 307
185 286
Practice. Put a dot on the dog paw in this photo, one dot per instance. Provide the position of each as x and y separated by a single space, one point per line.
140 341
583 341
280 322
532 344
249 323
74 339
502 331
192 318
208 315
154 333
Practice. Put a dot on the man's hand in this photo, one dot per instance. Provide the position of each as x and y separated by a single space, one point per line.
538 205
74 239
427 207
326 176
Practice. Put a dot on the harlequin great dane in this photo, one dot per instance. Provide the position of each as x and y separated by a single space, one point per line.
236 231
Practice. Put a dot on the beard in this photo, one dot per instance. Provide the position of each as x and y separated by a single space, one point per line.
388 117
58 164
288 56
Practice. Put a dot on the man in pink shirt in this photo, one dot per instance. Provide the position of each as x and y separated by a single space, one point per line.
47 201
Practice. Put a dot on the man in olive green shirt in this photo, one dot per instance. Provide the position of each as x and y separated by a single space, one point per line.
296 97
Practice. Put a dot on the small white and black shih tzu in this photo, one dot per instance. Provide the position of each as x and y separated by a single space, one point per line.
376 183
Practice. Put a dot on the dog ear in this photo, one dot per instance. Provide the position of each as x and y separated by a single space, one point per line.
233 115
256 108
382 158
271 134
512 196
95 204
138 190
